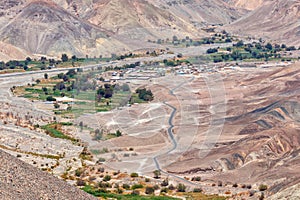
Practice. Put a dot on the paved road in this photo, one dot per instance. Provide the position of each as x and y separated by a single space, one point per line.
172 137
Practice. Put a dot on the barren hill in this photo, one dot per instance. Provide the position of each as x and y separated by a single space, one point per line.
138 19
42 27
19 180
201 12
277 20
260 138
246 4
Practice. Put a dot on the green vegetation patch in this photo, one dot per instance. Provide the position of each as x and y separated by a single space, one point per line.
54 131
106 195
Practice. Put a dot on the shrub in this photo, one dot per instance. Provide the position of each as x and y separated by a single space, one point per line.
136 186
235 185
251 193
107 178
80 182
149 190
181 187
262 196
133 175
165 183
156 187
263 187
164 190
197 178
211 50
101 169
102 184
78 172
220 184
126 186
50 98
119 191
197 190
171 187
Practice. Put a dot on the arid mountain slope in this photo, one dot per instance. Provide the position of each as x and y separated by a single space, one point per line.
260 138
20 180
277 20
201 12
42 27
10 52
246 4
138 19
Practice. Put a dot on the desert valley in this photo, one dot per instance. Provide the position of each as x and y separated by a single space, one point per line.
140 99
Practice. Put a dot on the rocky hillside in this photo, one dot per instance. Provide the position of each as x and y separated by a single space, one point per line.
43 27
260 138
202 12
246 4
277 20
19 180
51 27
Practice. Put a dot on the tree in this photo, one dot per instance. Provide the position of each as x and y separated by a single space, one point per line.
118 133
60 86
240 43
181 187
50 98
156 174
56 105
46 76
211 50
269 46
64 58
74 58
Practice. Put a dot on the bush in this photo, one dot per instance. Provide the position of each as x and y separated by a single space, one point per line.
181 187
171 187
133 175
165 183
78 172
104 185
211 50
149 190
164 190
235 185
50 98
263 187
126 186
136 186
156 187
119 191
196 178
80 182
220 184
197 190
107 178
